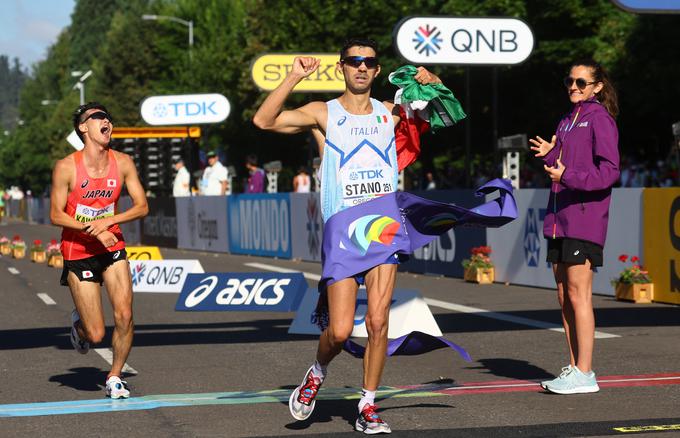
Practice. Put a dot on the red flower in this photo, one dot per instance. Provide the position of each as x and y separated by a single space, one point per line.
623 258
16 237
634 259
53 242
37 242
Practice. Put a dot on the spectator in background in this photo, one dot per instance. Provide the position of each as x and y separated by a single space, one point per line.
430 184
302 182
256 175
180 187
215 180
2 203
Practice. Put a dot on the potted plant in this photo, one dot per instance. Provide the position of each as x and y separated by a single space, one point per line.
5 246
633 283
479 268
54 257
18 247
38 254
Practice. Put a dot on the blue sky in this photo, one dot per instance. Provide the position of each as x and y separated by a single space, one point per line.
29 27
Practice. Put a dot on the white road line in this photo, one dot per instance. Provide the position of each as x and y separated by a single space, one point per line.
47 299
107 354
13 270
455 307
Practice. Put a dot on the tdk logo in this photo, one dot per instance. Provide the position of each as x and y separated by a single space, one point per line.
242 291
366 174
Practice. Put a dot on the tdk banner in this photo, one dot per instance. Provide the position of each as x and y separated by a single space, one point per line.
242 291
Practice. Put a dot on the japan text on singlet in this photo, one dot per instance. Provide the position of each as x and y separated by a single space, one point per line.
90 199
359 157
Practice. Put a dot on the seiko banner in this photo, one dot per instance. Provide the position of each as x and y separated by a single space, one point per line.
449 40
159 227
444 256
162 275
202 223
259 224
242 291
268 71
185 109
306 226
143 253
519 248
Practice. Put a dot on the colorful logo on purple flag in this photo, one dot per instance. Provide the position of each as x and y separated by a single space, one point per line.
372 228
441 220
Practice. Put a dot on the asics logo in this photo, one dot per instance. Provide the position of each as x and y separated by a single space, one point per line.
116 254
84 183
342 121
239 292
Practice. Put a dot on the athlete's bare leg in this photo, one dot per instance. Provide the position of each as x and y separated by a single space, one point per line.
580 296
342 297
87 298
560 272
119 287
379 288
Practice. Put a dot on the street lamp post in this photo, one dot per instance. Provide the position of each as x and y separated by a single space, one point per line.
189 24
80 85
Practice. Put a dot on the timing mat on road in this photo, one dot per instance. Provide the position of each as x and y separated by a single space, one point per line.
281 395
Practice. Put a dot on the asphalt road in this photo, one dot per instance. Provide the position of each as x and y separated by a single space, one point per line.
209 374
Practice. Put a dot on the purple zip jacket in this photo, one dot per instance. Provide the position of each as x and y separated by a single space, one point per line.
578 207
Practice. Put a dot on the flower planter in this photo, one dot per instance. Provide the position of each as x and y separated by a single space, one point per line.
38 256
5 249
56 261
638 292
479 275
19 253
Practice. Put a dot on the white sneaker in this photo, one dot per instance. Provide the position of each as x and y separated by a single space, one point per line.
576 382
303 399
80 345
116 388
565 370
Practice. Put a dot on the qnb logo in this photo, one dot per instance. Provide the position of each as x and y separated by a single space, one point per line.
428 40
239 292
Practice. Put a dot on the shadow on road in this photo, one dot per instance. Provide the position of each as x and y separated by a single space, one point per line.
84 378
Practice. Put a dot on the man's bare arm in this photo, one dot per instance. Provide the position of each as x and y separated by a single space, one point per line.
61 177
270 116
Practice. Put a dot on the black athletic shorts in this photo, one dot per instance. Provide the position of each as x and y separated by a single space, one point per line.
91 268
574 251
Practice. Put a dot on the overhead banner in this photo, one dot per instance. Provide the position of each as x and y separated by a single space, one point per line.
306 226
661 210
185 109
649 6
268 71
408 313
458 40
165 276
202 223
520 250
242 291
259 224
444 255
143 253
159 227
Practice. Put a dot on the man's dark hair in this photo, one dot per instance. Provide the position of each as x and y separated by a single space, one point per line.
82 109
251 160
358 42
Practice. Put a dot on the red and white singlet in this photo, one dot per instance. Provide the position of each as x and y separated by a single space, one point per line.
91 198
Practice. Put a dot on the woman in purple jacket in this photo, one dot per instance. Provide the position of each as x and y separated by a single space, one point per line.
582 160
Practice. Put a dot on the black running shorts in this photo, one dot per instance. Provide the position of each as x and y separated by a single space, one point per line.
91 268
574 251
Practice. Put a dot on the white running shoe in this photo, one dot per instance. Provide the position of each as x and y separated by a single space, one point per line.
80 345
370 423
116 388
565 370
302 401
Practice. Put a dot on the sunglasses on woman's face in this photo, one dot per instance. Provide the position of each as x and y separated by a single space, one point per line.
355 61
581 83
99 115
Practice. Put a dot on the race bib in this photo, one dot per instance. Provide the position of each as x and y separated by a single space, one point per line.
363 184
86 213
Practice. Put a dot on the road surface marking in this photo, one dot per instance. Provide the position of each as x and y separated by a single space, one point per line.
107 354
13 270
47 299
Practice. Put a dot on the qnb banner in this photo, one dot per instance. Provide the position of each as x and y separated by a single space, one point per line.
268 71
185 109
202 223
459 40
143 253
162 275
242 291
259 224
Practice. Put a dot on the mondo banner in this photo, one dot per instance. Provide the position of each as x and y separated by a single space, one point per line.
242 291
259 224
661 210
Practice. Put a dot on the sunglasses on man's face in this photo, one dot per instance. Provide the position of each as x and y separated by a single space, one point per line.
581 83
356 61
99 115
